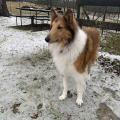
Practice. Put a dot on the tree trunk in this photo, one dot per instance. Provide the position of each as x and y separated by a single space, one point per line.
3 9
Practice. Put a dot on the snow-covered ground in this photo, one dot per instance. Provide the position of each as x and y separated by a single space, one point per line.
30 84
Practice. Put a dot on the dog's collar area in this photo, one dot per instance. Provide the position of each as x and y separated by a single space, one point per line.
61 51
67 47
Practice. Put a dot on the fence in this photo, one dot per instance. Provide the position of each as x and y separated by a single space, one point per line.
98 13
103 14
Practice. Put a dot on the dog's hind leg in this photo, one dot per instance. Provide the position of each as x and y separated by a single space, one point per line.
65 88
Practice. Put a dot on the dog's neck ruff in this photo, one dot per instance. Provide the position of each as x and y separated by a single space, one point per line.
73 50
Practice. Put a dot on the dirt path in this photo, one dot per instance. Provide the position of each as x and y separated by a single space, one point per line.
30 84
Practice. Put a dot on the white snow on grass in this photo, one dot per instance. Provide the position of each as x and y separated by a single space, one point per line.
108 55
15 47
25 78
17 40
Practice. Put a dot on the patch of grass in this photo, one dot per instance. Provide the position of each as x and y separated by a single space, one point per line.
111 43
57 115
12 5
45 55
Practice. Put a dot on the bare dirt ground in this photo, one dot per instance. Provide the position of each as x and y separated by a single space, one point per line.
30 84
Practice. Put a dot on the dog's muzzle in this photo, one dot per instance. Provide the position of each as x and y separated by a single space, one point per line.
47 39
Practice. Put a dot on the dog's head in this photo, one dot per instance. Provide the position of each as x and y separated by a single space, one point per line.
63 28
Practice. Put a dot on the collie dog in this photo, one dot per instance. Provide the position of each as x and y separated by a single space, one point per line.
73 50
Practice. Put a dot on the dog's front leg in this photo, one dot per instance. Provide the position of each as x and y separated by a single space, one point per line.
81 85
65 88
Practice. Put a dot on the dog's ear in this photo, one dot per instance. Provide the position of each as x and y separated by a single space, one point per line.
68 16
54 14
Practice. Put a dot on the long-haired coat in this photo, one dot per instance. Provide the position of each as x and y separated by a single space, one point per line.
73 50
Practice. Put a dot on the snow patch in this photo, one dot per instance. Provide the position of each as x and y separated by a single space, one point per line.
108 55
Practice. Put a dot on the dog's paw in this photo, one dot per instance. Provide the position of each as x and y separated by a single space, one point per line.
62 97
79 101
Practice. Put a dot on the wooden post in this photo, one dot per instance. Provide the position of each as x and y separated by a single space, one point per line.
21 16
36 18
78 9
16 20
32 20
50 3
104 18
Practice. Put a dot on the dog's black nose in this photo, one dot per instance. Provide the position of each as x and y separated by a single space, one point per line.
47 39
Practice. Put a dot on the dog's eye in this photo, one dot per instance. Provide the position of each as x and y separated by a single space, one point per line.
59 27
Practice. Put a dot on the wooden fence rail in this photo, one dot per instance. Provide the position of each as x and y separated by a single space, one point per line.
99 24
113 3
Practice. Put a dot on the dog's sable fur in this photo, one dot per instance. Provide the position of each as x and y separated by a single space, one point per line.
89 54
74 50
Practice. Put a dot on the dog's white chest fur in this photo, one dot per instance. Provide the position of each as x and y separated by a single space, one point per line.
65 58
